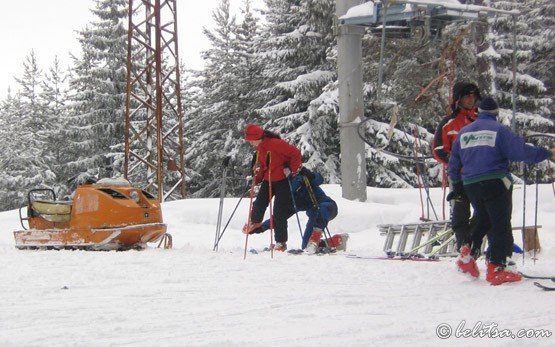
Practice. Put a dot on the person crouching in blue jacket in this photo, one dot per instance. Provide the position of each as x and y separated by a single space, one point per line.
319 208
479 168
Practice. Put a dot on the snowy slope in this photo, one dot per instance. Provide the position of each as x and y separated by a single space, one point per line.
192 296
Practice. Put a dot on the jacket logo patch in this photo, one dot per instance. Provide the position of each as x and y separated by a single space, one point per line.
478 138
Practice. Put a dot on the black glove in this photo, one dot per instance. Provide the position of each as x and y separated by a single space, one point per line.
307 173
457 193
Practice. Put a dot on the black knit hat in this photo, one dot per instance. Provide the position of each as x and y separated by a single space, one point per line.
488 105
461 89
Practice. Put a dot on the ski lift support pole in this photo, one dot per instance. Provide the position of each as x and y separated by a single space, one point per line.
351 105
382 49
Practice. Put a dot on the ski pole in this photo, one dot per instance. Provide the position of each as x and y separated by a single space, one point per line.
524 173
536 216
270 192
444 185
316 205
550 174
432 240
221 206
230 217
251 195
426 182
418 176
294 204
444 244
420 165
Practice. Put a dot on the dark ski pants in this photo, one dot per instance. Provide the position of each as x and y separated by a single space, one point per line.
282 208
492 202
318 218
460 222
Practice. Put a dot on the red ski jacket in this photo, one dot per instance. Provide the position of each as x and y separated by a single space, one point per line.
447 131
272 156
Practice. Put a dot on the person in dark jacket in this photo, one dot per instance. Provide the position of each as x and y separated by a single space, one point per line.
319 208
465 97
479 169
273 156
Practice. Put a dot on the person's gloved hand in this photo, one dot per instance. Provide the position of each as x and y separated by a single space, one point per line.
286 172
457 193
252 228
256 180
307 173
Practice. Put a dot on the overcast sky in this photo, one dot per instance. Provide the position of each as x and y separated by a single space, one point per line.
48 27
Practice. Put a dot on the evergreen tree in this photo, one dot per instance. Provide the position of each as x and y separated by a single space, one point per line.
98 84
53 98
410 66
23 120
297 41
534 41
228 83
534 46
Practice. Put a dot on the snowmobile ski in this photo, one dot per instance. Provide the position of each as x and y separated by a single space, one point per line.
546 288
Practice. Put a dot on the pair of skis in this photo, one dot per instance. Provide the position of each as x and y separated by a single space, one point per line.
538 284
412 257
321 251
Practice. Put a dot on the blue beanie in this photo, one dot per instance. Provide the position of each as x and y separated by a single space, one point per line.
488 105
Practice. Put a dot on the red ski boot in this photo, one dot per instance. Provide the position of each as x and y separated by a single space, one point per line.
338 241
279 247
466 263
498 274
312 246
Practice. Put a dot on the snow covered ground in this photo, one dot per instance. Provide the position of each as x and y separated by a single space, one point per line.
192 296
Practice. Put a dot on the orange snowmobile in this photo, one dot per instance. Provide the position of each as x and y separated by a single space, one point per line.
107 215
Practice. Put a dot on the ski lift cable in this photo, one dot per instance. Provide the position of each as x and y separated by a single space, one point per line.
448 54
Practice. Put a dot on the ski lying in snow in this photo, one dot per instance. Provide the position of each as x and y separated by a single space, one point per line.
538 277
320 251
295 251
406 258
546 288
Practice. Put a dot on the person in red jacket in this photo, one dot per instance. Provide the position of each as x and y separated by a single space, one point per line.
465 97
275 160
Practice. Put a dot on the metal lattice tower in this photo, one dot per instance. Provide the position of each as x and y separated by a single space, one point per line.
154 153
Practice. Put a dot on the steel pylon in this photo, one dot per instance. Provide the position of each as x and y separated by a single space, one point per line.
154 152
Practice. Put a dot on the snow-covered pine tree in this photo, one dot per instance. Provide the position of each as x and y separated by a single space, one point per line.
534 44
24 166
53 97
214 126
541 63
534 40
98 87
297 40
411 64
